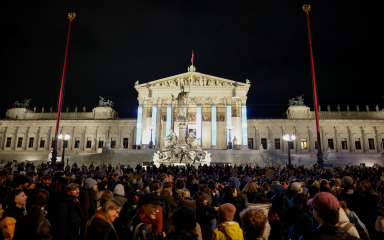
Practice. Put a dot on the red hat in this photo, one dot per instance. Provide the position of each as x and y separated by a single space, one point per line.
324 202
227 211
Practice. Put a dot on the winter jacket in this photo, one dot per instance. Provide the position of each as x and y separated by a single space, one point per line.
326 232
100 229
228 231
69 219
143 231
14 224
343 221
170 203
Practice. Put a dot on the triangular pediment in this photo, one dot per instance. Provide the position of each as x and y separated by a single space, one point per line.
192 79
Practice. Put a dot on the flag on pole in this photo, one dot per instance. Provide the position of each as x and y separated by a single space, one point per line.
193 55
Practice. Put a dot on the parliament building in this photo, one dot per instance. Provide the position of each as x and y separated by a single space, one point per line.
216 110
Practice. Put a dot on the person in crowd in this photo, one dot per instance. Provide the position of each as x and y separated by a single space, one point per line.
89 198
296 189
69 215
251 190
326 211
231 195
38 225
168 200
326 187
227 228
355 220
254 222
119 194
100 226
300 217
184 222
205 215
14 223
142 226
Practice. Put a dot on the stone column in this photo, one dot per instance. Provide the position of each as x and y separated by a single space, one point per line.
309 146
25 140
119 138
282 144
49 139
83 141
256 138
298 139
95 139
71 140
14 142
36 142
351 140
378 140
337 145
363 140
4 138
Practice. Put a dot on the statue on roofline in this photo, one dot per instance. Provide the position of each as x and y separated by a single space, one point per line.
24 104
299 101
105 103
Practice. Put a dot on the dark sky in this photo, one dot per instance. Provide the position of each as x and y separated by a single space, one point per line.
114 43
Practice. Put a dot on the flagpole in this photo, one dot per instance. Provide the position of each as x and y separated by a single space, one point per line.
306 9
71 17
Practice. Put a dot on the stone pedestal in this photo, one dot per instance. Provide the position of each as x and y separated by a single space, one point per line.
182 132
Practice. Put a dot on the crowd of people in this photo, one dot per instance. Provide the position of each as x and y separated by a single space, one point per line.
188 202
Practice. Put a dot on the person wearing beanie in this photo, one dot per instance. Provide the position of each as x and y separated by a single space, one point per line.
119 194
227 228
347 190
326 211
296 188
89 198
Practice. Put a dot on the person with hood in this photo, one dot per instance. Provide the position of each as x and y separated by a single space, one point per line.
277 215
100 227
227 228
38 225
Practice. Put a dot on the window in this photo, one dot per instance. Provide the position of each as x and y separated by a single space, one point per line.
9 141
303 143
357 143
264 143
89 142
125 143
77 142
42 142
250 143
330 143
113 142
371 143
277 143
19 142
344 144
30 143
316 145
101 143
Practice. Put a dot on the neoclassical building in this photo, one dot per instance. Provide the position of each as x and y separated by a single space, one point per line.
216 112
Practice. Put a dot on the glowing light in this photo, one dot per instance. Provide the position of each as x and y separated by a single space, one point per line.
169 121
244 125
154 121
139 125
229 122
198 124
213 121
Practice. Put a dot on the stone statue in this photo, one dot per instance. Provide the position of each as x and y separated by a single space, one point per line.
105 103
181 104
137 82
247 81
347 108
84 109
328 108
42 109
24 104
67 109
76 109
34 109
234 141
357 108
299 101
377 108
367 108
50 109
338 107
261 147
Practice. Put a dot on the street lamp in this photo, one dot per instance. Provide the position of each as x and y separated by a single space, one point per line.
229 144
65 139
289 138
151 142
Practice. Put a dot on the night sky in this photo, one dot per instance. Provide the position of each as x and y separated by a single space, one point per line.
114 43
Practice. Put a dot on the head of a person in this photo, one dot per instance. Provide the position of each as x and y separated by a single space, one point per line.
300 202
325 208
155 186
40 198
18 198
226 212
184 220
347 182
250 187
179 184
90 183
296 188
105 196
343 204
73 190
119 190
168 186
324 185
201 199
21 182
46 180
365 186
111 209
185 193
253 222
149 202
187 202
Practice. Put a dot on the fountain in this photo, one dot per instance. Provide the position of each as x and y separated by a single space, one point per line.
183 149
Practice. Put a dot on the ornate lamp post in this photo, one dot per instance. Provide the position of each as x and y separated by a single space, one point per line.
151 141
71 17
306 9
289 138
65 139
